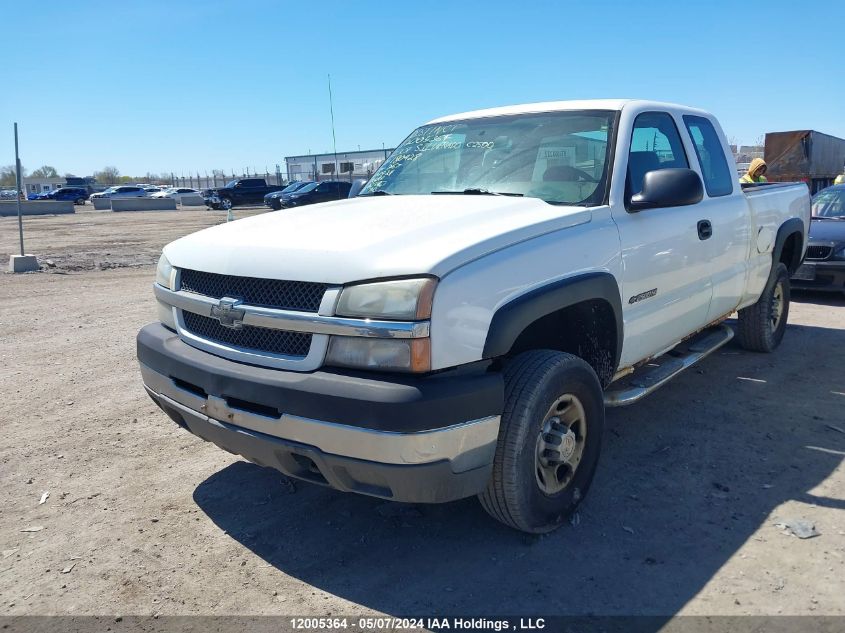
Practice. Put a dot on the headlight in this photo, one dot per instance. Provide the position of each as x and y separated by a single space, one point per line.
402 299
407 355
164 273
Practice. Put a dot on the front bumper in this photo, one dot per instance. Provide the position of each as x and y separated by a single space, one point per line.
412 439
820 275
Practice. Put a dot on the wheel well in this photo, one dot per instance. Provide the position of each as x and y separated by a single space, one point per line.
586 329
790 254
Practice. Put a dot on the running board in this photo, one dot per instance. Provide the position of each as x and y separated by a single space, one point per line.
649 379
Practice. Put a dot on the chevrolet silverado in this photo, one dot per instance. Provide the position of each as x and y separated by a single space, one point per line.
459 327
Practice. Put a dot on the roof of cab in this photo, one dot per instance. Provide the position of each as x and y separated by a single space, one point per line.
557 106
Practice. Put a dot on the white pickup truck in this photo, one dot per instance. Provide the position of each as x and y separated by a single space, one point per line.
459 326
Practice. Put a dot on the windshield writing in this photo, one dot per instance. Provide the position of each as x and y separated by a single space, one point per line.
558 157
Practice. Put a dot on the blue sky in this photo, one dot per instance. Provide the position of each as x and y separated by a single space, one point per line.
174 86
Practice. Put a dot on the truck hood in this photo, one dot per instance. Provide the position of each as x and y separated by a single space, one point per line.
370 237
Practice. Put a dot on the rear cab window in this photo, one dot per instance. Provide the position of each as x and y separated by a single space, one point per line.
655 144
711 156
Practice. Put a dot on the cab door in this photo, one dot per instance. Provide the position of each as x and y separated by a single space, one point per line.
726 210
666 288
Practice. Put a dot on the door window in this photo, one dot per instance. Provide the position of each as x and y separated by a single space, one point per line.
711 156
655 144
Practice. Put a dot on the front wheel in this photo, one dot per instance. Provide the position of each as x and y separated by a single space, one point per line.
549 441
760 327
225 204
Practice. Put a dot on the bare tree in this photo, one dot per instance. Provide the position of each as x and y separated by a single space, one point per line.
108 175
45 171
7 175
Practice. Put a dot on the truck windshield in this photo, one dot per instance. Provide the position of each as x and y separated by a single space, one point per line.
558 157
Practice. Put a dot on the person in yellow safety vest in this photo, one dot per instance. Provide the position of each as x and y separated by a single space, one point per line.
756 172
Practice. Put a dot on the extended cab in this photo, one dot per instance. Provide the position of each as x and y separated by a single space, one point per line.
240 192
458 328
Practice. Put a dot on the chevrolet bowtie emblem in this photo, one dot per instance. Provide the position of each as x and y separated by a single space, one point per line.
228 313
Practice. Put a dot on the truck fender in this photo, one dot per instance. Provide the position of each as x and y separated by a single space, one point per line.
788 228
511 319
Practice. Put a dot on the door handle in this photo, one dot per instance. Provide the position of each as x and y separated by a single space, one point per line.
705 229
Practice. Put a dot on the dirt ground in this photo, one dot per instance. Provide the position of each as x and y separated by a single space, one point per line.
143 518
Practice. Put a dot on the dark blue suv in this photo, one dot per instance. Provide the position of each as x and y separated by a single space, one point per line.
77 194
274 198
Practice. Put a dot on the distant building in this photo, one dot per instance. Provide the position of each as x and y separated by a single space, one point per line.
747 153
340 166
41 185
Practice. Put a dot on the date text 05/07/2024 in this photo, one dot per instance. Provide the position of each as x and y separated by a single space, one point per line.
411 624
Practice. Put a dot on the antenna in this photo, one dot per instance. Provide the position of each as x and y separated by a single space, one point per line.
334 141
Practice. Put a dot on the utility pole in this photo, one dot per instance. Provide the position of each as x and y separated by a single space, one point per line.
334 141
20 263
18 186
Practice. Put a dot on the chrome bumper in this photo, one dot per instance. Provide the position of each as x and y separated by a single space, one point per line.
467 446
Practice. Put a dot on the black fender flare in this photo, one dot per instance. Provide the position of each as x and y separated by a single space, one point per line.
788 228
511 319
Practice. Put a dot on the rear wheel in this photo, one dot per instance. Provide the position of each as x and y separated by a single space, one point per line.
762 325
80 201
549 441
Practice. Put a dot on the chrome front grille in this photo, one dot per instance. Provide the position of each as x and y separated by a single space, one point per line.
818 251
258 339
301 296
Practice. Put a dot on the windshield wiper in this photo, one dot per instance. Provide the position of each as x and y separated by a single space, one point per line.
476 191
829 217
377 192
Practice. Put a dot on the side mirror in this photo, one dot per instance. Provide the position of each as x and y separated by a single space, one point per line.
357 185
672 187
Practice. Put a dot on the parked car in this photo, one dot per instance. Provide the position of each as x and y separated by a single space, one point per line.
273 199
824 263
316 192
122 191
77 194
8 194
240 192
177 193
458 328
153 189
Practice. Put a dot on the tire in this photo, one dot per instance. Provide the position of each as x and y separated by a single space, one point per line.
80 201
225 204
762 325
522 493
276 205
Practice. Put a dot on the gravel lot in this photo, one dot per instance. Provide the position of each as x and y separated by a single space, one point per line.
143 518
